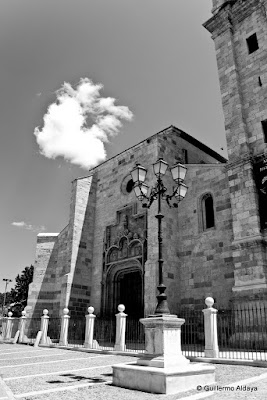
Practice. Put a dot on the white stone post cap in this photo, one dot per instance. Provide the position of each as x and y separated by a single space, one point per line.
23 313
10 313
45 311
65 311
90 310
121 307
209 301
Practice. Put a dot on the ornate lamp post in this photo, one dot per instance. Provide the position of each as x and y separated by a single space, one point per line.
158 192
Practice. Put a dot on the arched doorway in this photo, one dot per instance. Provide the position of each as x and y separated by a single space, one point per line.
124 257
129 292
124 285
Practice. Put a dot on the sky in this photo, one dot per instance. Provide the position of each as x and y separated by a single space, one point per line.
82 81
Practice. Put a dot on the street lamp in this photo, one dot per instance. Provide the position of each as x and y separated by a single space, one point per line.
4 301
158 192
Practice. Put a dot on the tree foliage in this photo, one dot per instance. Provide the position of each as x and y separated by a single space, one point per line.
9 298
20 293
16 299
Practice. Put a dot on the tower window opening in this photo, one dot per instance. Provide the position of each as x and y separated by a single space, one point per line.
252 43
185 156
260 82
207 211
264 129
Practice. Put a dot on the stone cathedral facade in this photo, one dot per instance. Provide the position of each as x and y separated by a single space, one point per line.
214 244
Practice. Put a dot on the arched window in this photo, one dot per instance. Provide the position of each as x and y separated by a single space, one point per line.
207 210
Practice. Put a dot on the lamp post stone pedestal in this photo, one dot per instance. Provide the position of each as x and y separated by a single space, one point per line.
163 368
163 342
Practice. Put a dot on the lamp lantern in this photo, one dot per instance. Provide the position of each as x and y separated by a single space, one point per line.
180 192
160 167
138 174
141 191
178 172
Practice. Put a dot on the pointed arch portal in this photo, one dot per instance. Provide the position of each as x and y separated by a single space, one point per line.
124 258
124 285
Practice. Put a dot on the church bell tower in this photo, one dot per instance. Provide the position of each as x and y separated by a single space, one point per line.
239 31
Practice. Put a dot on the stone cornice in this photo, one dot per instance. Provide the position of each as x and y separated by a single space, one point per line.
219 23
239 162
249 241
231 14
247 159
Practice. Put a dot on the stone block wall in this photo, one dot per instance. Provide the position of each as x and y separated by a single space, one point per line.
242 76
110 198
42 291
77 285
251 68
63 265
205 256
173 142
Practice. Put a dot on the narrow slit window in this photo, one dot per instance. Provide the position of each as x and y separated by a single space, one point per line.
264 129
185 156
252 43
260 82
207 212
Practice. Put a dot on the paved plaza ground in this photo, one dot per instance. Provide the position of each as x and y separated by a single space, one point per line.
53 374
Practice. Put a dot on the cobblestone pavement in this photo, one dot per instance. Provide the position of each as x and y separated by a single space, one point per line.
53 374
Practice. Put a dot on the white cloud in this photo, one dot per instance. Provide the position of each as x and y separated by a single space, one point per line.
66 132
29 227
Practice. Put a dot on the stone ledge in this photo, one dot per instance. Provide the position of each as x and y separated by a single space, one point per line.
163 380
47 234
229 361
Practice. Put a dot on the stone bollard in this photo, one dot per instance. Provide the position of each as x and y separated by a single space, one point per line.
44 326
63 341
9 326
89 328
210 324
22 326
120 329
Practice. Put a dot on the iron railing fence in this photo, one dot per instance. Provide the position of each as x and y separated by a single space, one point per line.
105 332
32 327
53 330
3 321
134 335
242 332
15 327
192 332
76 331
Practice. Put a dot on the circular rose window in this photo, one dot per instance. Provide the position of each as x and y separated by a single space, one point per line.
127 185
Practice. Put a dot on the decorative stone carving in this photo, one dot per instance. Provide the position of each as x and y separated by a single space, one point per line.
118 237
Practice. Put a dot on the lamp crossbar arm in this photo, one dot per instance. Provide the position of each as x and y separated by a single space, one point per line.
158 190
